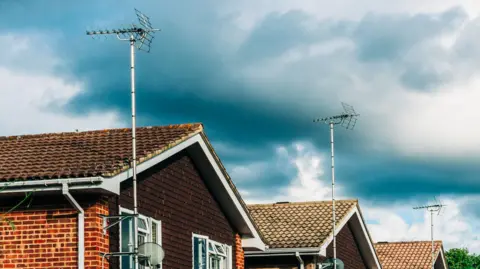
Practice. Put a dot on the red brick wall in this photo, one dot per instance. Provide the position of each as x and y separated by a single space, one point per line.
347 249
175 193
239 254
45 235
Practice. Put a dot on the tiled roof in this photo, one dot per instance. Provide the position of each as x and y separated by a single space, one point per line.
83 154
298 225
406 255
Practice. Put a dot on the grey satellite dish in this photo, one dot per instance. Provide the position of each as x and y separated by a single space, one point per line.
150 254
328 264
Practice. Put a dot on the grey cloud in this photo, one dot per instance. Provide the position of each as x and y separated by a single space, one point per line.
388 38
192 76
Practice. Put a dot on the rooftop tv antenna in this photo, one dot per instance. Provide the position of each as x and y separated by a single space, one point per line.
347 119
141 37
436 207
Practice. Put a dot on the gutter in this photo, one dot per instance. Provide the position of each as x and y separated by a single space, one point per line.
56 185
47 182
80 226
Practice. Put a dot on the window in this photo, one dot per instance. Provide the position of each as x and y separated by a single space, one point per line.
149 230
208 254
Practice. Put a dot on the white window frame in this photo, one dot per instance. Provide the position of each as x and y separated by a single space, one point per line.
227 248
147 232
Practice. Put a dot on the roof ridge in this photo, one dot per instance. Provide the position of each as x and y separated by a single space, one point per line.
302 203
179 125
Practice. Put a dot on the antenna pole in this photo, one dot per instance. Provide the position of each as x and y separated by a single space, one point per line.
140 37
432 208
433 244
134 154
347 119
333 197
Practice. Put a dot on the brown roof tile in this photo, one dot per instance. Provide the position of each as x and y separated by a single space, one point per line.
298 225
406 255
83 154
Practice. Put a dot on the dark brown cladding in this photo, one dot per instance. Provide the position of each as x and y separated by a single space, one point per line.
347 249
175 193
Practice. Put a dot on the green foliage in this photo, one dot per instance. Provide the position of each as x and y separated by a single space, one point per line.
460 258
26 200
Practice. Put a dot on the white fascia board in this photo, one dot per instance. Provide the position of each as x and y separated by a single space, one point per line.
440 253
338 228
259 244
247 243
283 250
157 159
367 235
255 242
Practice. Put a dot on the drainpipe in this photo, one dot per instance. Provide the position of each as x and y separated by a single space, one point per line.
302 265
80 225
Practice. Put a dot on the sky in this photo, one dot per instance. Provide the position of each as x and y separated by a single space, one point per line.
256 73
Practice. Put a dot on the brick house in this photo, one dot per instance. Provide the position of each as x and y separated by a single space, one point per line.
411 255
299 235
186 200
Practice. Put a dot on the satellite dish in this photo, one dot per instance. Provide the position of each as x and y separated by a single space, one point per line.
150 254
328 264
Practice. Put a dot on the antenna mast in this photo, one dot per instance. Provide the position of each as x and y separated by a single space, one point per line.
140 37
347 119
437 207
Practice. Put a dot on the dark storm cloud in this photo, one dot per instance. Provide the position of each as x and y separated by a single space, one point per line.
385 178
192 75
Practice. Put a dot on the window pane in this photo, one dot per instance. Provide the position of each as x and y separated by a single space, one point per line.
220 249
154 232
126 242
199 253
142 224
141 238
215 262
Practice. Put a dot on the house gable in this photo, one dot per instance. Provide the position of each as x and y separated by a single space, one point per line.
305 229
217 179
348 249
175 193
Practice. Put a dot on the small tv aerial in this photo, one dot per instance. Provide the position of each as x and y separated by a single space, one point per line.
150 254
329 264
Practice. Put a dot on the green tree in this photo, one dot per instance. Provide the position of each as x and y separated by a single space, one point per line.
460 258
